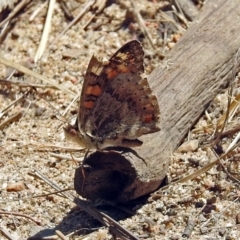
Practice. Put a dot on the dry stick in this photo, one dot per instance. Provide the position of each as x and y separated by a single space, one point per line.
66 11
188 7
46 30
61 235
3 30
25 84
181 15
15 11
43 147
70 104
101 217
36 196
230 175
201 64
191 223
10 105
33 74
169 19
230 131
141 24
189 228
20 215
63 157
11 119
37 11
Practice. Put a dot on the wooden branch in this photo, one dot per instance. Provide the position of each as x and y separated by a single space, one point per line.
199 66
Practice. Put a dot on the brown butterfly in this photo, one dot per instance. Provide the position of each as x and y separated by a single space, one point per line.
116 104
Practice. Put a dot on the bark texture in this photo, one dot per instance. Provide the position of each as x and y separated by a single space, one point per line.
197 68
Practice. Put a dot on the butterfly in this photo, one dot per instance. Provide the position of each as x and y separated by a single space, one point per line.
117 105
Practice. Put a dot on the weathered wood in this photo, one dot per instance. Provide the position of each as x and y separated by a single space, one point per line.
198 67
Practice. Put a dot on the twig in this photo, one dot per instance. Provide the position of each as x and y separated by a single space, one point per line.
21 215
10 105
70 104
13 118
40 147
188 8
66 11
233 142
230 131
4 29
65 157
189 228
37 196
169 19
181 15
36 12
25 84
61 235
46 31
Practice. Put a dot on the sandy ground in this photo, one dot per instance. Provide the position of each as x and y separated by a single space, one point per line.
28 143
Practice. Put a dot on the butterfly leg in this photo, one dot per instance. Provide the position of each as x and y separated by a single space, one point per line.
84 159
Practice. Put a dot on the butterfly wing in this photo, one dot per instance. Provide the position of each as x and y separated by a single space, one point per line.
116 104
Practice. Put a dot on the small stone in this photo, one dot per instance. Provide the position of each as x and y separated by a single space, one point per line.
72 53
208 208
160 206
15 187
222 232
189 146
171 45
176 37
211 200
